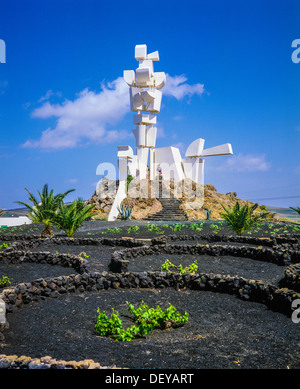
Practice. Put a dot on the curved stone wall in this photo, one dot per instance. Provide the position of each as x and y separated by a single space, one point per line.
120 259
278 299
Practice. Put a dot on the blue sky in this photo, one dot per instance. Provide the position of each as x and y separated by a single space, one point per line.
64 107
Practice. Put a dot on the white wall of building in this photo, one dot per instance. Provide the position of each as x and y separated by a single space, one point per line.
14 221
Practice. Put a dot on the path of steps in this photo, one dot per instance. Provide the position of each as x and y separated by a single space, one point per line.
170 211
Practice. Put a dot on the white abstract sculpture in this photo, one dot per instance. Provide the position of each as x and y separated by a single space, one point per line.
145 101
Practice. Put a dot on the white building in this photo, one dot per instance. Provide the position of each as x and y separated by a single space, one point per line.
14 221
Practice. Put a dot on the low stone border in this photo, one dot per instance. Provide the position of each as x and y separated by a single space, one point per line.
247 289
47 362
292 276
30 242
79 264
264 241
13 254
120 259
14 237
278 299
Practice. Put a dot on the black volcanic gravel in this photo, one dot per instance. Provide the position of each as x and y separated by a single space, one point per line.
26 272
222 332
99 259
99 256
243 267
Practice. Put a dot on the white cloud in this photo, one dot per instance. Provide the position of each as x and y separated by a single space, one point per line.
85 119
177 87
177 118
48 94
72 181
245 163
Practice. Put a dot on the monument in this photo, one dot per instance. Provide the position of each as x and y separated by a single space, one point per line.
145 101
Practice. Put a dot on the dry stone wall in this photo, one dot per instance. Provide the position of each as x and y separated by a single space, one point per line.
12 298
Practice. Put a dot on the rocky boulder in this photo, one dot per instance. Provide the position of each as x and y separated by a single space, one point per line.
143 198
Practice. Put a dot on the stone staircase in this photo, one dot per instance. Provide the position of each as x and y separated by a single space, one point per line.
170 211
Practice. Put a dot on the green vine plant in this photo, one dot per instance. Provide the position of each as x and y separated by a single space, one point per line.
154 227
134 229
215 227
196 227
177 226
114 230
5 245
84 255
4 281
192 268
146 319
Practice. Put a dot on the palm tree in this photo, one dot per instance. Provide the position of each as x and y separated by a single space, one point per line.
242 218
1 212
70 217
297 209
42 211
80 203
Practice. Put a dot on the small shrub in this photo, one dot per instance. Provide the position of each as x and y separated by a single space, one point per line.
4 281
125 212
129 178
177 226
43 210
134 229
208 212
215 228
146 319
5 245
150 318
69 218
113 230
152 227
113 326
155 228
192 268
196 227
242 218
84 255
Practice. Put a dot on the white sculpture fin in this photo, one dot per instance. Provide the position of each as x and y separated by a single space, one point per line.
129 77
195 148
125 152
160 79
153 56
225 149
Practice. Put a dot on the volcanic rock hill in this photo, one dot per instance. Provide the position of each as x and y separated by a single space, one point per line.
169 200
